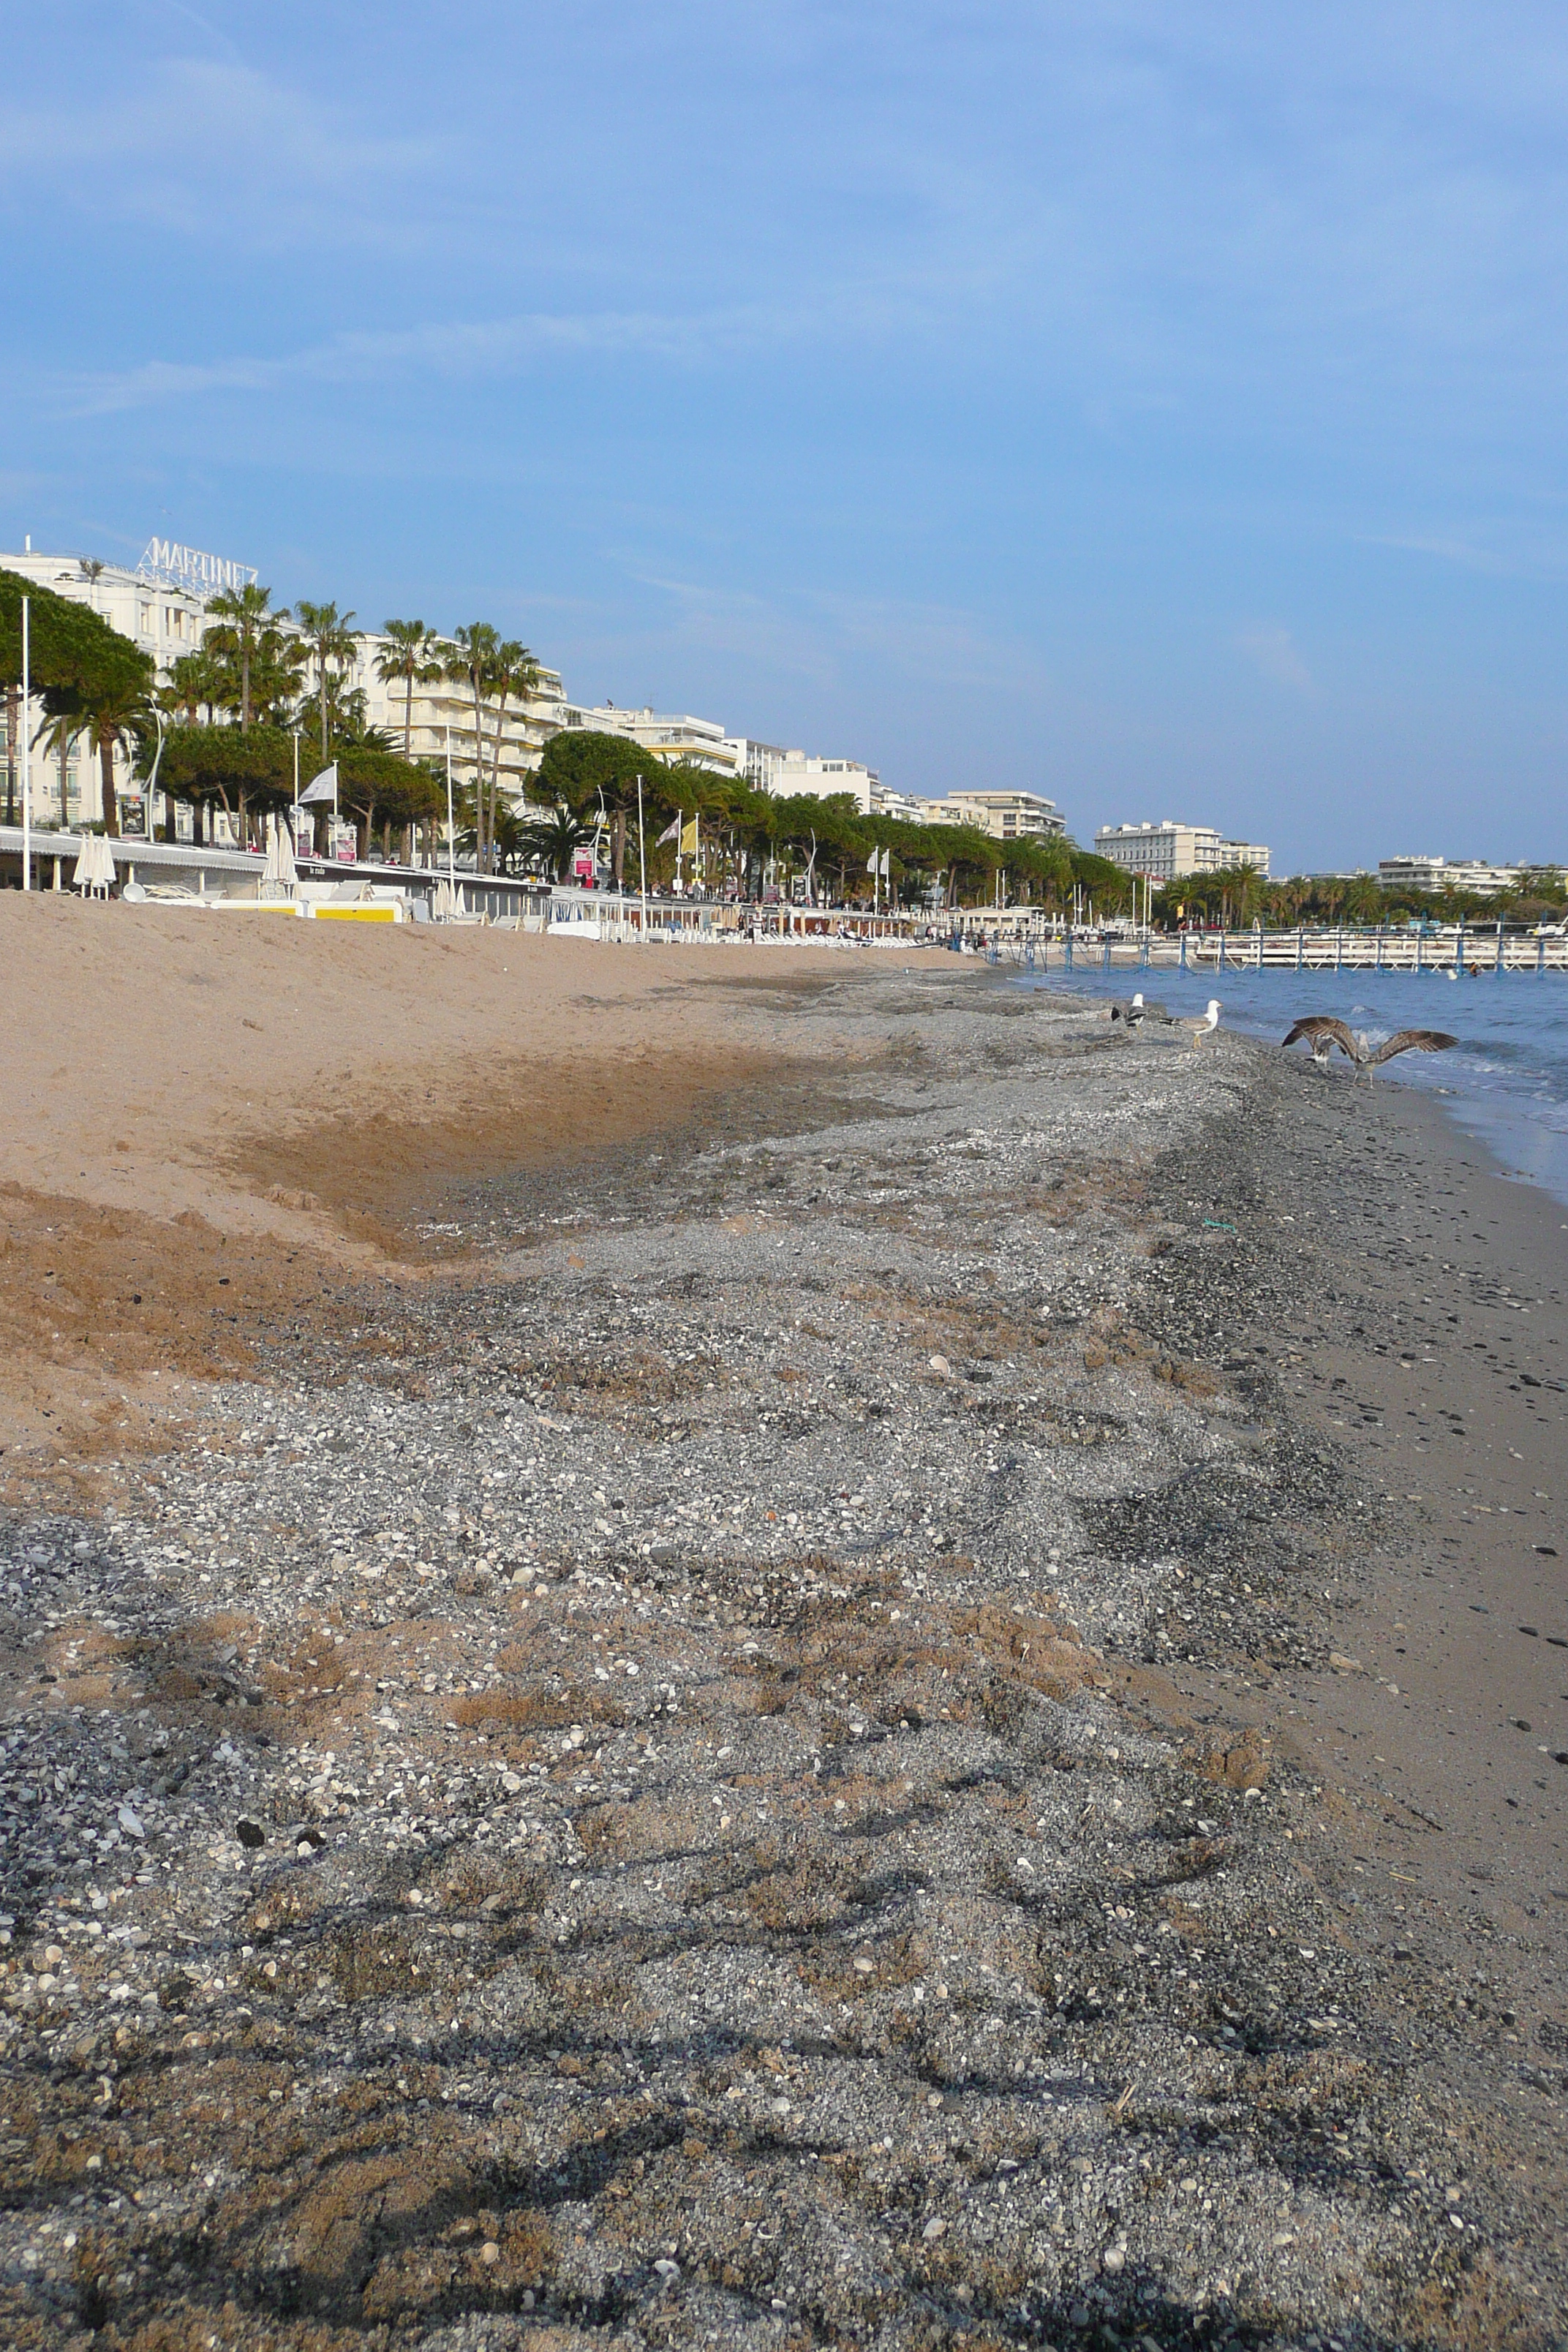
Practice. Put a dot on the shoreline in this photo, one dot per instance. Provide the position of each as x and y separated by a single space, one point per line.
767 1691
1505 1088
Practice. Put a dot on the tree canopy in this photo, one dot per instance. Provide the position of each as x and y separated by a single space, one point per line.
374 784
210 762
829 838
75 657
576 766
257 769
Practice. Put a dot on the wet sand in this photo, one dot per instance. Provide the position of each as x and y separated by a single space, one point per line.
1438 1368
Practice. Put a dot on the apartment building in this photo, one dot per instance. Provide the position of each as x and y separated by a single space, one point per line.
674 738
905 806
1166 850
1006 815
1443 874
758 763
161 605
820 779
443 710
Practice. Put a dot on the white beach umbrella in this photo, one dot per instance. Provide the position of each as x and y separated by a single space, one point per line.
445 905
279 870
94 865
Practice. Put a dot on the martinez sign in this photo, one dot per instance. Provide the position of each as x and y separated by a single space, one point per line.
164 559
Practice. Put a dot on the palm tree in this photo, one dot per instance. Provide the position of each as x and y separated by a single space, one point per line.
554 840
117 713
471 661
242 615
514 671
192 686
58 738
277 675
345 710
329 641
410 657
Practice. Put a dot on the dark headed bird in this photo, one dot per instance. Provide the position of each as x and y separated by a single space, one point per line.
1323 1033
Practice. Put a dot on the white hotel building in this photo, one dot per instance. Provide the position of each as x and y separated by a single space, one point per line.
161 605
1166 851
1006 815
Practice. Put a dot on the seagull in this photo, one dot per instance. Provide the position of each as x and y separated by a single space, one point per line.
1317 1029
1137 1011
1199 1028
1322 1032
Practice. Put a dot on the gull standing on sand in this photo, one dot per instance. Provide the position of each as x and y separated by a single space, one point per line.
1322 1032
1199 1026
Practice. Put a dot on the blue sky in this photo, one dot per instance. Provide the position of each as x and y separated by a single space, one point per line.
1157 405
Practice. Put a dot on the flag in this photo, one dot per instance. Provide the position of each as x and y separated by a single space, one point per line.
688 840
324 787
878 861
671 832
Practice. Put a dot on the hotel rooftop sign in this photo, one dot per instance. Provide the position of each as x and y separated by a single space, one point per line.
174 566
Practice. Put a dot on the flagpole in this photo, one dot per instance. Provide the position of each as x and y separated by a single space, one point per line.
27 752
297 790
642 866
451 823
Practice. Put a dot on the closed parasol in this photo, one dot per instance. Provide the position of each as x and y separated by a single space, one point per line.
278 876
94 875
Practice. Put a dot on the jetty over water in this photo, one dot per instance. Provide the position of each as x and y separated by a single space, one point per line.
1450 948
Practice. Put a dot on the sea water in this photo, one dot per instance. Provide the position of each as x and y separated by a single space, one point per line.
1506 1082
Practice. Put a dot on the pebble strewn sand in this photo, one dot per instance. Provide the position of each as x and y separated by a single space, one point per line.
741 1756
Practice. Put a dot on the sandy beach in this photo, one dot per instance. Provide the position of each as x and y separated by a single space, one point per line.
762 1646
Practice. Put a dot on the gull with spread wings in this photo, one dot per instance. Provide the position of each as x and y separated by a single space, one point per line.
1323 1033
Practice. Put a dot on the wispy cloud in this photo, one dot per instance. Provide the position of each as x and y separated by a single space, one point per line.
217 149
484 347
1273 653
461 348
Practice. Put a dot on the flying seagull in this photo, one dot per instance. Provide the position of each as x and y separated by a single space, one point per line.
1322 1032
1137 1011
1199 1028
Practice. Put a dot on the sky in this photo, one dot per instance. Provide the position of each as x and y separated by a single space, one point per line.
1155 405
